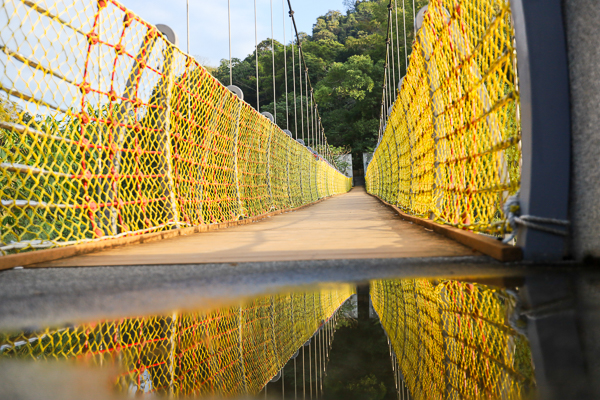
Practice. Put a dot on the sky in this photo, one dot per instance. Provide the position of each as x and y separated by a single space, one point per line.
208 22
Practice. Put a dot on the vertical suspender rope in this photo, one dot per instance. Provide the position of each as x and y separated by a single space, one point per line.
317 137
273 59
307 109
398 41
405 48
312 121
391 73
414 20
393 91
313 111
294 80
287 113
321 360
187 13
300 75
303 370
310 369
300 64
229 28
256 53
316 367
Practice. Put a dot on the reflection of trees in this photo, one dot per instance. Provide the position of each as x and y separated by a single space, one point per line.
359 366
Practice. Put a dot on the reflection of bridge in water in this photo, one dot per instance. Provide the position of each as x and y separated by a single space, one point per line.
449 338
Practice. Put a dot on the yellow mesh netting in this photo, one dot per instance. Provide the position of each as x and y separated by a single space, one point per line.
107 129
451 146
231 351
454 340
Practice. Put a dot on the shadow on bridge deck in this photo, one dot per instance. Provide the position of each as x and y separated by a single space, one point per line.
352 226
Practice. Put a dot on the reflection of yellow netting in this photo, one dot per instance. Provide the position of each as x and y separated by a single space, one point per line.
117 132
453 339
451 146
235 350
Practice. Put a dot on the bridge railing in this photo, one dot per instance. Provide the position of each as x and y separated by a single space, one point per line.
229 351
108 130
450 147
453 339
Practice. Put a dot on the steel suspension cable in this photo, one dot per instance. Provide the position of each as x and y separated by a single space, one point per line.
294 80
310 368
187 13
301 57
307 109
273 63
405 48
385 97
391 73
321 358
303 374
316 114
316 367
300 75
398 41
393 69
414 20
312 121
229 29
287 113
256 53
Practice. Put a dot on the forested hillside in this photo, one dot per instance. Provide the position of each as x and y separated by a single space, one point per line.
345 56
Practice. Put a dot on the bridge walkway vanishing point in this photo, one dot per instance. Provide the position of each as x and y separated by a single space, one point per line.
349 226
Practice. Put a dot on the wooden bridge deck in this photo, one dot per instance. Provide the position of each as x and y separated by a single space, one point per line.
351 226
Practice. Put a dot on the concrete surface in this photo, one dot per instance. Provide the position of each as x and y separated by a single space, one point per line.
583 37
34 298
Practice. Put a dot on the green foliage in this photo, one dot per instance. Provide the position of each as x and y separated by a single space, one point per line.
345 56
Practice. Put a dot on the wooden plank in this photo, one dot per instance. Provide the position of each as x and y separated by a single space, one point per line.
44 256
485 244
352 226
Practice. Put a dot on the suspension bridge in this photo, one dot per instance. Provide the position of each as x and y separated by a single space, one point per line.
120 150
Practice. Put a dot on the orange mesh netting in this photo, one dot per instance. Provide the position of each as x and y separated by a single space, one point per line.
107 130
230 351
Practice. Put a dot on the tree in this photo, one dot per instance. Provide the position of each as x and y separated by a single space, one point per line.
345 56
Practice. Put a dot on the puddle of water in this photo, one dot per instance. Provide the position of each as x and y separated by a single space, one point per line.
392 339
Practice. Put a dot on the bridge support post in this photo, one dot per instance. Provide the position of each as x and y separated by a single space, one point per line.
545 122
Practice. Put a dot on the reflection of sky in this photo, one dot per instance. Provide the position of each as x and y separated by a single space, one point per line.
208 22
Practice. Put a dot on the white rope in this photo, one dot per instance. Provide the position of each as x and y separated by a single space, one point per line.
294 80
512 210
301 88
405 48
229 28
273 62
256 53
414 19
287 113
